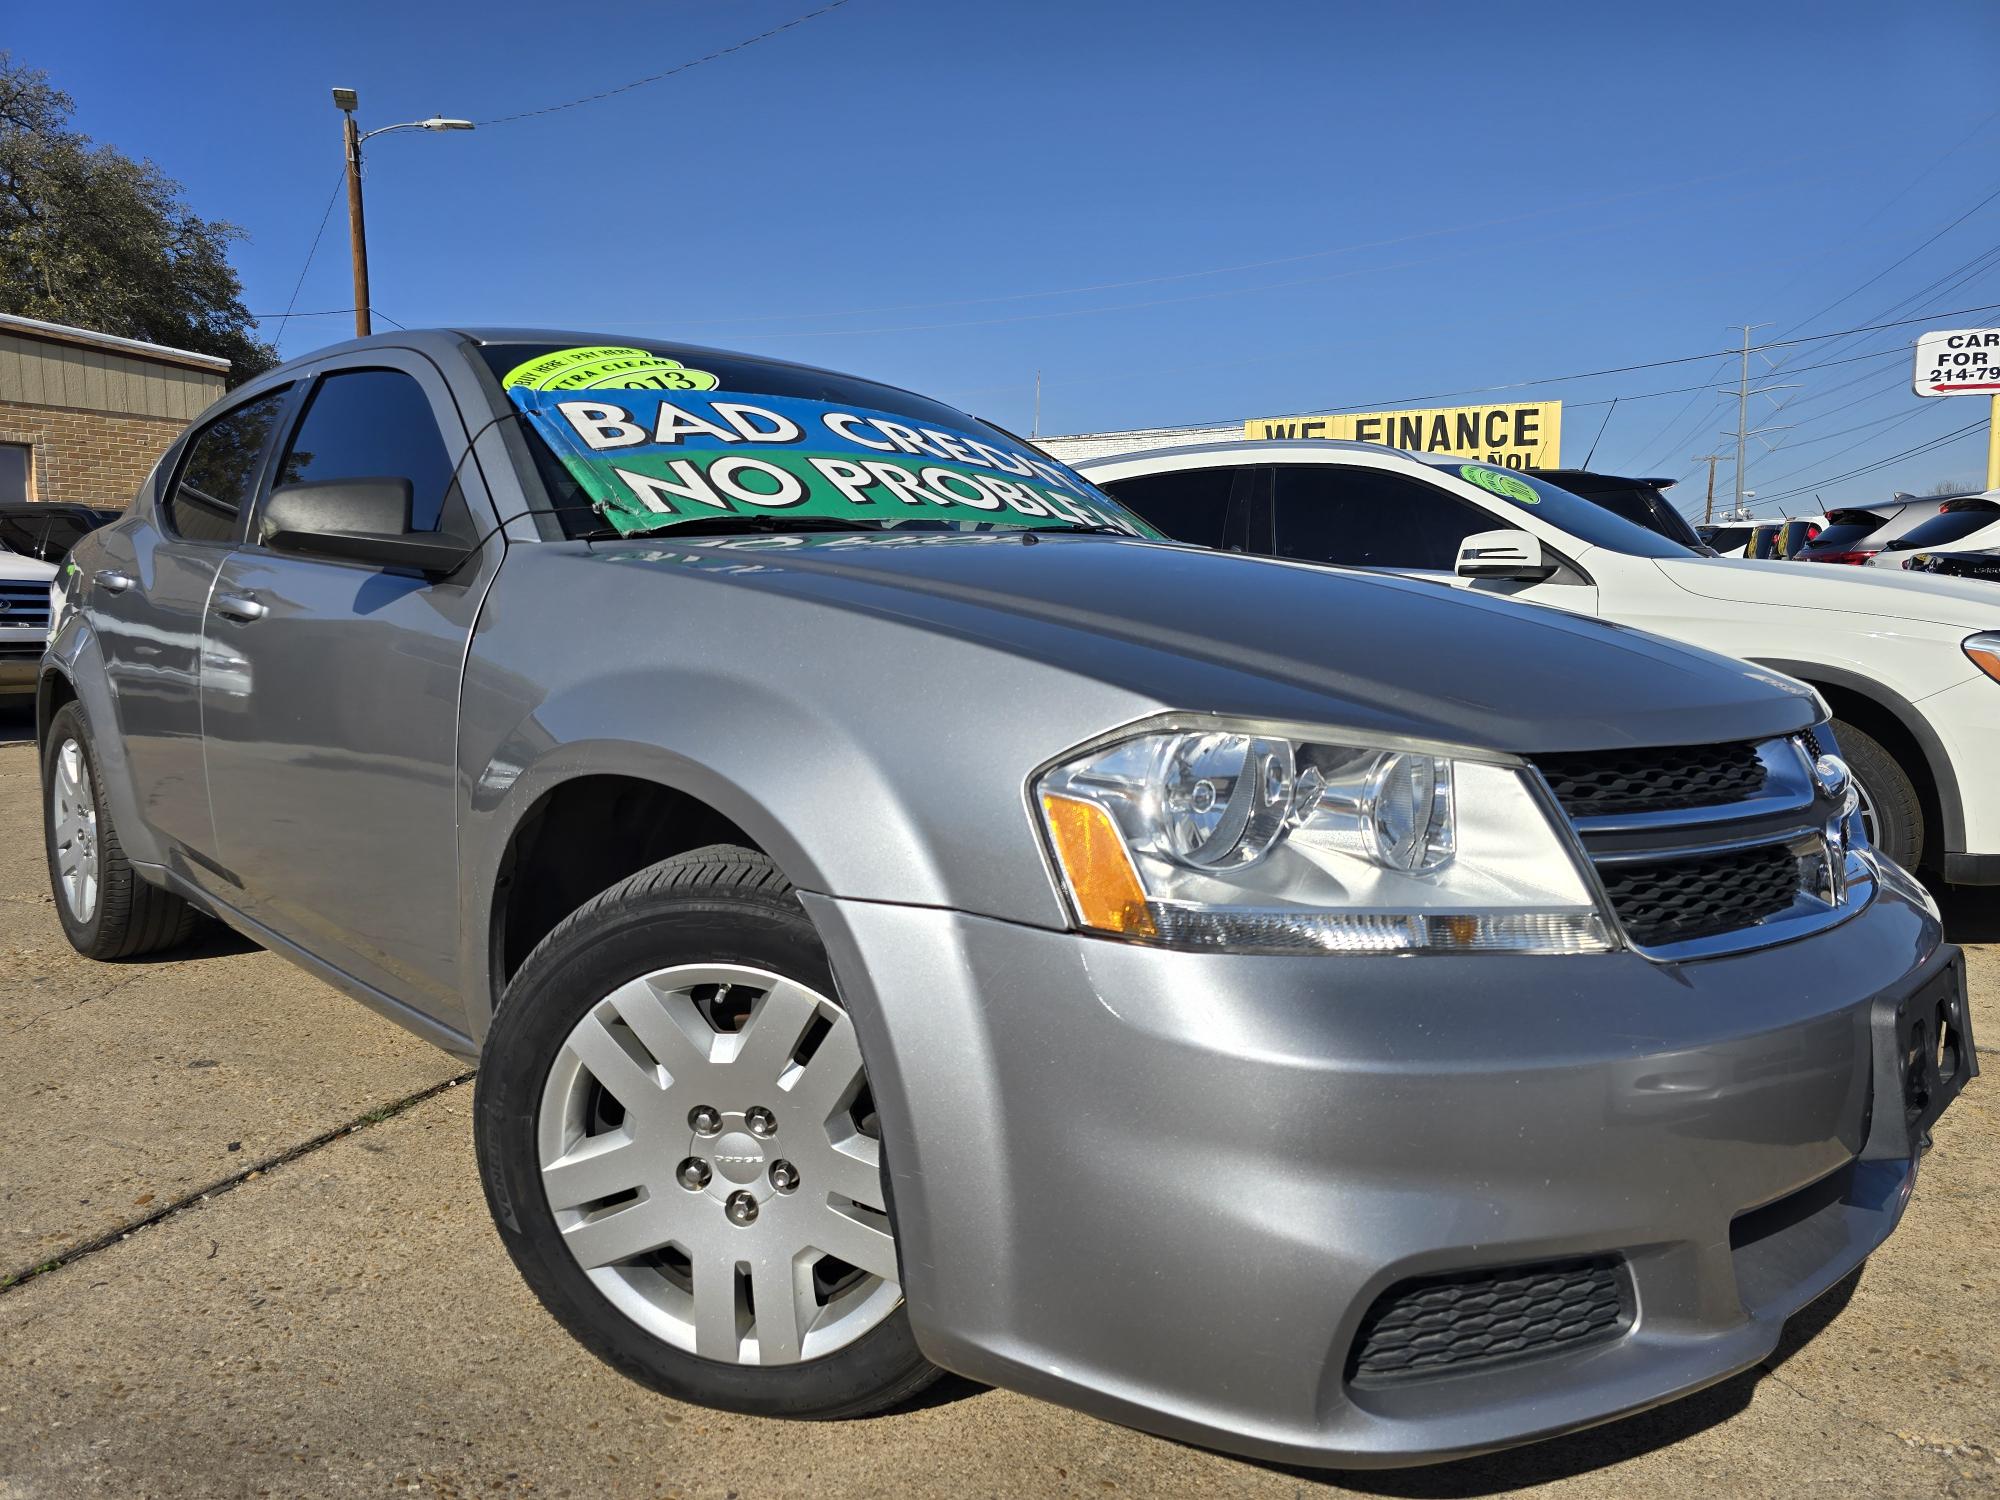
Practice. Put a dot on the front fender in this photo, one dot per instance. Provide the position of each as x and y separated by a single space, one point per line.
76 657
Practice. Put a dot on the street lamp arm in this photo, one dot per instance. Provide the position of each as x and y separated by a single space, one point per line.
435 122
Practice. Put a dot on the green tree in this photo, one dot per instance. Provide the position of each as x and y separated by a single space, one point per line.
92 238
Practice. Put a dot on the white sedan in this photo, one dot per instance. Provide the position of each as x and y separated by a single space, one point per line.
1909 663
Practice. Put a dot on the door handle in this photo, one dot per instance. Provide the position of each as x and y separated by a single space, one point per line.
240 607
112 581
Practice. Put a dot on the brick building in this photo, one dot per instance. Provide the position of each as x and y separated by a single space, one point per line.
83 416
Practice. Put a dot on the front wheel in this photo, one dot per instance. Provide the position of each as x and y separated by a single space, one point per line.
680 1148
107 910
1891 811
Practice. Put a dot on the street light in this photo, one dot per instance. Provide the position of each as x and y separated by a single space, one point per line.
351 137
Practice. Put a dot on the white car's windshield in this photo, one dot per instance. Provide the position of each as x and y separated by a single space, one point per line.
1573 514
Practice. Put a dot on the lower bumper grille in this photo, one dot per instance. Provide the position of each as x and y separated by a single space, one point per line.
1675 900
1440 1325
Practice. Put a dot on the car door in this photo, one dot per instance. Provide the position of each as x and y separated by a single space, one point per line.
146 593
330 706
1366 517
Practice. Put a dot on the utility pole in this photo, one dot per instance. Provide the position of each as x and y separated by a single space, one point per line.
1035 426
351 137
1708 506
357 232
1744 431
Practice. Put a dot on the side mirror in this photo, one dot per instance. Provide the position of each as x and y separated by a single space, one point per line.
1514 555
355 520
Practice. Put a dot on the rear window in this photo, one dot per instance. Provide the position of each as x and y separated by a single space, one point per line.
1726 538
1953 526
648 436
1845 528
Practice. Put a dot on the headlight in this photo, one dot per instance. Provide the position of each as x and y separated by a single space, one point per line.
1230 838
1984 652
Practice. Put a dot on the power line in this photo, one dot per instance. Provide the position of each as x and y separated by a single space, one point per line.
639 83
1651 364
311 251
1881 463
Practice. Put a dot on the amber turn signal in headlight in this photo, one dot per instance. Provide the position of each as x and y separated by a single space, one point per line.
1983 651
1101 879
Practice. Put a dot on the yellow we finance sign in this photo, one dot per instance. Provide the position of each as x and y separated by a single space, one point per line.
1514 435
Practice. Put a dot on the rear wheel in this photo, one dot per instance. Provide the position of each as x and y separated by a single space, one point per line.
107 910
1891 811
680 1148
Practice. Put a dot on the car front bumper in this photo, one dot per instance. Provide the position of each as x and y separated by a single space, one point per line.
1166 1188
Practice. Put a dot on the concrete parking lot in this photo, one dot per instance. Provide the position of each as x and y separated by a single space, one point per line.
243 1251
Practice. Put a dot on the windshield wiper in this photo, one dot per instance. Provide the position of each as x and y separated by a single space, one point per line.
1096 527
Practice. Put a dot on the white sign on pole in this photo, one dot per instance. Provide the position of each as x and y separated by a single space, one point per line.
1958 362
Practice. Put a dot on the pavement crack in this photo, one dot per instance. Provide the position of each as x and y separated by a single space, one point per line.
11 1281
62 1010
1840 1411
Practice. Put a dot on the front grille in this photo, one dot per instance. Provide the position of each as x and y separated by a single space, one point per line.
26 605
1600 783
1675 900
1440 1325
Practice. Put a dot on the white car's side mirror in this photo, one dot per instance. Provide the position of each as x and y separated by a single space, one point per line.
1513 555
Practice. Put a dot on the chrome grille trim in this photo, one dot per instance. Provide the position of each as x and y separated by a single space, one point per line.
1788 813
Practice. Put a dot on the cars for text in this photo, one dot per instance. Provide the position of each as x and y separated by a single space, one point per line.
907 918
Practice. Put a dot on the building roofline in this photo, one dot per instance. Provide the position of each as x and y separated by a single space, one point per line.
137 348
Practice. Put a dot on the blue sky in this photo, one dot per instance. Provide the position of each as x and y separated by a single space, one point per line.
1177 212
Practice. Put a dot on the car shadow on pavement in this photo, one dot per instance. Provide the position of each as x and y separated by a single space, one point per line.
1595 1447
1971 912
17 721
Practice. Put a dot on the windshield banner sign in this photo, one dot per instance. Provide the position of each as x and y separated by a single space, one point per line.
650 457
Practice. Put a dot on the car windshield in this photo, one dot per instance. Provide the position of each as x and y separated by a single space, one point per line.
1954 525
1587 522
647 437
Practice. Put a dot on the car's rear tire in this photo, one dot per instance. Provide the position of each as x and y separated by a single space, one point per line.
679 1149
1890 806
107 910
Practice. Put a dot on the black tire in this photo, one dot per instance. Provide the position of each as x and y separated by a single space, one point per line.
131 916
1887 788
720 904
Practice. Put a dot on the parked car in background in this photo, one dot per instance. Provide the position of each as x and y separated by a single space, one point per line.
907 917
1783 539
1644 502
1910 663
46 530
1856 534
1727 538
1984 565
1970 523
24 622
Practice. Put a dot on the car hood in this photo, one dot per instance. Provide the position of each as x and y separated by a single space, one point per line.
1220 633
1889 592
14 568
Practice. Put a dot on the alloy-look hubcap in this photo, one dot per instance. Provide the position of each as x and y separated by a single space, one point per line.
73 813
709 1150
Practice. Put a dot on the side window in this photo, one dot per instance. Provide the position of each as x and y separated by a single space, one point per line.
220 472
1189 505
1370 518
372 424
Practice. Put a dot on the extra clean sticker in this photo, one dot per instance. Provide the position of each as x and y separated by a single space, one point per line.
606 367
650 457
1501 483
